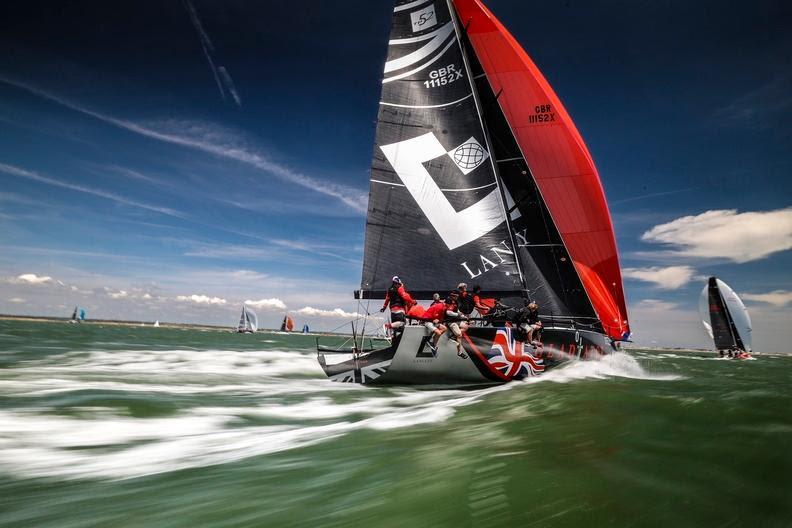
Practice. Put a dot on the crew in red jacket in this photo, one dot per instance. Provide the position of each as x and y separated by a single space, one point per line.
442 316
400 302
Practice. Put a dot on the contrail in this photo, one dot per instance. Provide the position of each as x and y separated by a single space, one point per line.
229 82
653 195
220 73
31 175
217 145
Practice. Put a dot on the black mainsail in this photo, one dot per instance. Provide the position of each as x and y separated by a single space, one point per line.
436 210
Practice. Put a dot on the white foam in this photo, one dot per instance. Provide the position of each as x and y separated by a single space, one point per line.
41 445
618 365
98 442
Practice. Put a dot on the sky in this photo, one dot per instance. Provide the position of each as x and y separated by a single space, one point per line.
173 160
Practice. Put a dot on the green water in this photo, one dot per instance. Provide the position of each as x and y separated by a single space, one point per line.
145 427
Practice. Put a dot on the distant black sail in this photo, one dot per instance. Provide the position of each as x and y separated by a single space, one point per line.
436 214
723 331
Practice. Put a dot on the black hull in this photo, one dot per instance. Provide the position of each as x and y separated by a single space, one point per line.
489 355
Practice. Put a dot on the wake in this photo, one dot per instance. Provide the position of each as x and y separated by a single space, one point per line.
244 404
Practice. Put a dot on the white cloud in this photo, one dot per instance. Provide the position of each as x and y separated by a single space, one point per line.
739 237
778 298
655 305
31 278
200 299
666 278
267 304
119 294
248 275
337 312
146 296
16 300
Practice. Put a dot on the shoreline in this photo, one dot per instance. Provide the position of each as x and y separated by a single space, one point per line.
150 324
113 322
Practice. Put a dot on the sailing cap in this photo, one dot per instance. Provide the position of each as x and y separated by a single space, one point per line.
396 279
462 286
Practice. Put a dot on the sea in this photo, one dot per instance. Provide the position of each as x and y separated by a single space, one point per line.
121 426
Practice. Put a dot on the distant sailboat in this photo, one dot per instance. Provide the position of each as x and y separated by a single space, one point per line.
306 330
248 322
288 324
725 318
156 323
78 315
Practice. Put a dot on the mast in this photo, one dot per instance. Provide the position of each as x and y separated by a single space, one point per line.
487 140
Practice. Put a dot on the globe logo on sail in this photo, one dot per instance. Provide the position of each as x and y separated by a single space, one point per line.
469 155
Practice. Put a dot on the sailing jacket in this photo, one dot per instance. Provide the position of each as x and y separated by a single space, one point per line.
436 312
527 316
398 298
484 306
442 312
466 303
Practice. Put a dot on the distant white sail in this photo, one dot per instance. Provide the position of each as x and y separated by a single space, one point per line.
252 319
739 314
704 311
156 323
248 322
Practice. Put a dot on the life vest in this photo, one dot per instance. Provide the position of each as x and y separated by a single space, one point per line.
466 304
395 300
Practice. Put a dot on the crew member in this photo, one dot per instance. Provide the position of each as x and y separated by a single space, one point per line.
465 301
483 306
529 320
443 316
399 302
456 320
434 317
436 299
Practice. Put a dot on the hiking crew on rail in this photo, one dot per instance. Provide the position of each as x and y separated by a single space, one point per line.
454 313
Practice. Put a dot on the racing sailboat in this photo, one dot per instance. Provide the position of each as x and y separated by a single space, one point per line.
725 319
248 322
78 315
479 174
288 323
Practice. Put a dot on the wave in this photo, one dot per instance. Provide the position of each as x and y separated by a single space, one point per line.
247 404
618 365
111 446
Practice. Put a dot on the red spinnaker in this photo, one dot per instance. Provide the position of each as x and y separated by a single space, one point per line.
558 158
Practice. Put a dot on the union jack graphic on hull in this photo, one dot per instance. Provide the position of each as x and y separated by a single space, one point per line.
507 358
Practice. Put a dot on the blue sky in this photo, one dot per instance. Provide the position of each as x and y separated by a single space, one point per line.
188 154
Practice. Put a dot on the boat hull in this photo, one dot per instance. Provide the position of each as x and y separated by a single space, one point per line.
489 355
